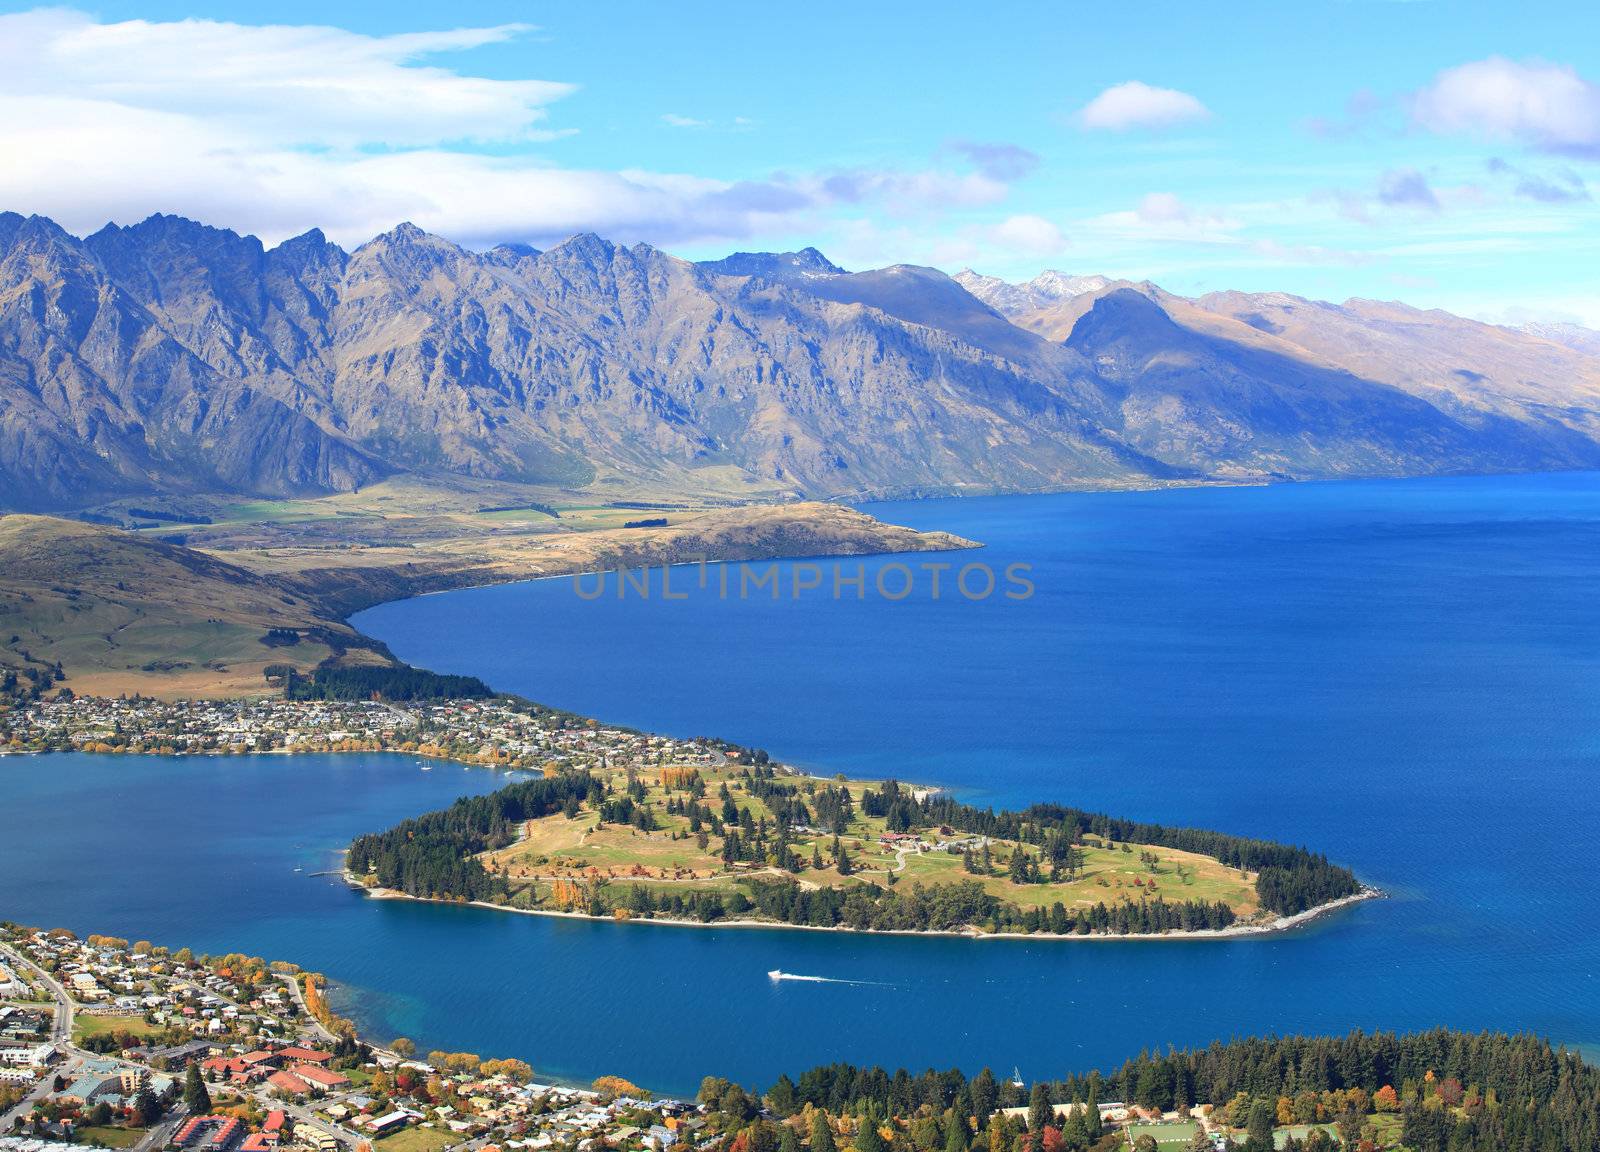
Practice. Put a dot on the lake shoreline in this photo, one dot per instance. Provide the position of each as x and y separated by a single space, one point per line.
1234 932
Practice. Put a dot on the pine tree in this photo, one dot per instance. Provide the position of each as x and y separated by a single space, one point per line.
1040 1113
1258 1133
956 1138
822 1135
195 1094
869 1139
984 1094
1072 1133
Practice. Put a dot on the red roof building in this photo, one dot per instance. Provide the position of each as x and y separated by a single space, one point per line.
321 1077
289 1082
298 1055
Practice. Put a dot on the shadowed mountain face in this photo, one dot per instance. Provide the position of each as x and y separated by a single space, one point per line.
172 357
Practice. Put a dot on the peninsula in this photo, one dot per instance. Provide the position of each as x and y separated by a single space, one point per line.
729 837
615 823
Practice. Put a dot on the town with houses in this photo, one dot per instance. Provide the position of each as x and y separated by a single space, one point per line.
499 731
109 1044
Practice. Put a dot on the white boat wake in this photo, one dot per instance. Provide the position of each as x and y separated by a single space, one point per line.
778 974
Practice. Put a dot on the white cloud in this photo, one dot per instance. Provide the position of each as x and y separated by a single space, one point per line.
1028 235
274 130
270 86
1307 255
673 120
1138 105
907 193
1546 106
999 161
1407 188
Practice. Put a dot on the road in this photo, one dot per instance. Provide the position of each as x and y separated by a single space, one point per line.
161 1134
61 1031
300 1001
60 1036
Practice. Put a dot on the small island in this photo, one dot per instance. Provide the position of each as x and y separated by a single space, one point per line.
737 839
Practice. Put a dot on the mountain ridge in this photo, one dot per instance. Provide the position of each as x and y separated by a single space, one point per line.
170 357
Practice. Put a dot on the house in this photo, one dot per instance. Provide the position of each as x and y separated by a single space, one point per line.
212 1133
27 1055
288 1083
180 1056
297 1055
318 1138
235 1069
388 1122
320 1077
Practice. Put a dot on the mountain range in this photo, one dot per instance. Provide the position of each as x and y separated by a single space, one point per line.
170 358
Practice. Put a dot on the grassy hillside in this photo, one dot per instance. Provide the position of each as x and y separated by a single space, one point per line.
123 613
271 583
670 857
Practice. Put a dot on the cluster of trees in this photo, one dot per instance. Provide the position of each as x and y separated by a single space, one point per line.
30 682
1290 879
375 682
1455 1091
914 908
432 855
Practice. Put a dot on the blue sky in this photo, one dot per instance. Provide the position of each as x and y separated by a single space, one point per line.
1445 154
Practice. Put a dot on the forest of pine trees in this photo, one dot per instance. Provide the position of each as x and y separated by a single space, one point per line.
1454 1092
372 682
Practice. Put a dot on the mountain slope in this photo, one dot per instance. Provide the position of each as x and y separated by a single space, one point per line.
172 357
118 611
100 399
1243 409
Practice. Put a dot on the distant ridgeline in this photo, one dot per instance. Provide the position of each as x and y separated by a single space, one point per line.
434 857
1437 1091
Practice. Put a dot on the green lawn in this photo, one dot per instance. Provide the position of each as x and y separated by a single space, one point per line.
86 1026
1299 1132
1174 1135
109 1137
1389 1126
418 1140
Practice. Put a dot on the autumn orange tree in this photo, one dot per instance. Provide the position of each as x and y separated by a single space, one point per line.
615 1086
678 776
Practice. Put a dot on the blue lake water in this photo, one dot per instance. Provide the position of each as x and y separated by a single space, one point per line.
1405 675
